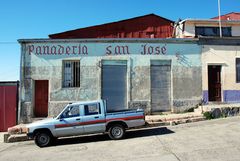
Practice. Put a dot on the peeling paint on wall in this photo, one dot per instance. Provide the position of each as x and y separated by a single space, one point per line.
185 59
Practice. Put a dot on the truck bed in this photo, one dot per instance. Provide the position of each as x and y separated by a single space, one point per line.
125 111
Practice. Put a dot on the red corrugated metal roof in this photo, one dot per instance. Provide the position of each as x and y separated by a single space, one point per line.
137 27
230 16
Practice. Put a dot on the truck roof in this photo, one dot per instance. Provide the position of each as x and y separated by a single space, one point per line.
85 102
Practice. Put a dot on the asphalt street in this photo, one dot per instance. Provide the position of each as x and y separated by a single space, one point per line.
213 140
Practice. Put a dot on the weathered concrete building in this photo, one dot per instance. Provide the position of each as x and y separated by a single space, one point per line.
140 70
220 56
155 74
220 69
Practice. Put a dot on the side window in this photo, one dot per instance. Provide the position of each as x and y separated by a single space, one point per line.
71 111
92 109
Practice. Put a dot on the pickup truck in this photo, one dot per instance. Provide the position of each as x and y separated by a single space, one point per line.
82 118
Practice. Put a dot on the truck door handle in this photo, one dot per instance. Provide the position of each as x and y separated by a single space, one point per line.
78 119
96 117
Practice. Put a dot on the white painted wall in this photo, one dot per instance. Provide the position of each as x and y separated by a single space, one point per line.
235 30
189 29
225 56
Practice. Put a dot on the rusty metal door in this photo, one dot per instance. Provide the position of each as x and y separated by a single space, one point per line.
160 86
114 85
214 82
8 105
41 98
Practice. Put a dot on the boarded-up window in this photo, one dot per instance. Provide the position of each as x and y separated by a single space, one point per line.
71 73
238 70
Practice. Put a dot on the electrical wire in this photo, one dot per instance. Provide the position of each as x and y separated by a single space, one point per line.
7 42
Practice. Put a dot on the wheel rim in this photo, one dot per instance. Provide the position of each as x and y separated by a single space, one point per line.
43 139
117 132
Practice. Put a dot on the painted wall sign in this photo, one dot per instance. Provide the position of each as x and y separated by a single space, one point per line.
43 53
145 50
83 49
57 49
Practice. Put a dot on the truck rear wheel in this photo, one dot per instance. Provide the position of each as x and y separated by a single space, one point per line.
116 132
43 139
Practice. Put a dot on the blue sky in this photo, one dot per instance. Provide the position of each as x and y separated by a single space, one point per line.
22 19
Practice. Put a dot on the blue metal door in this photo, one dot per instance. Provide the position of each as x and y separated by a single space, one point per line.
114 85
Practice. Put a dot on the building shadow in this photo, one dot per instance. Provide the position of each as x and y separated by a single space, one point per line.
134 133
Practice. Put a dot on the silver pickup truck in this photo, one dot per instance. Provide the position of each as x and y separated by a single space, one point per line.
85 118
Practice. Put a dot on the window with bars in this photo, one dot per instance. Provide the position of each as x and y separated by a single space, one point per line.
71 73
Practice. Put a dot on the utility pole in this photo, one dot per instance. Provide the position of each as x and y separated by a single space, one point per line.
219 18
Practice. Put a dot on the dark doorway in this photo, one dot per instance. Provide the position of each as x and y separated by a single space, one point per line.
41 98
214 82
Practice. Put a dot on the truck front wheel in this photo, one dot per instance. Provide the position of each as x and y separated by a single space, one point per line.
116 132
43 139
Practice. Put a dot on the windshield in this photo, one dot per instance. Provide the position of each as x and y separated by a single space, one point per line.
70 111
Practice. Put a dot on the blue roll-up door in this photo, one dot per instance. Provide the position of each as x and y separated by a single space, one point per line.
160 86
114 85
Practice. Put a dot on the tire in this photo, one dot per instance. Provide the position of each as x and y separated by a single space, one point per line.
116 132
43 139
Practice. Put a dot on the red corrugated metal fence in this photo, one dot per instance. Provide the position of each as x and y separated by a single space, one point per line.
8 104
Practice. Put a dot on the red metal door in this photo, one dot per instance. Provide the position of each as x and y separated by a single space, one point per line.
41 98
214 82
8 106
2 108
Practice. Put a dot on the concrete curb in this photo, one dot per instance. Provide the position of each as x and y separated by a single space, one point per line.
7 138
173 122
3 137
17 138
